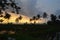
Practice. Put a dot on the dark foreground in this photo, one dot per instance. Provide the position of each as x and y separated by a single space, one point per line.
29 32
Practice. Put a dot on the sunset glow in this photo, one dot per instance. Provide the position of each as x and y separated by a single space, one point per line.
25 19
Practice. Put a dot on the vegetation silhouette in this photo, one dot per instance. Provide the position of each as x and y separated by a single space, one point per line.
1 15
7 16
1 20
53 17
45 16
54 20
38 16
4 4
59 16
29 31
34 18
19 18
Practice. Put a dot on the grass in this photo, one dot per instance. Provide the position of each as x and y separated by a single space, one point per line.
30 31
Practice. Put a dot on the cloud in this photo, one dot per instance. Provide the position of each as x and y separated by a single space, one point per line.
29 7
57 12
34 7
48 6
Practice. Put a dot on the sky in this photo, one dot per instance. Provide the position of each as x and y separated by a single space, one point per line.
34 7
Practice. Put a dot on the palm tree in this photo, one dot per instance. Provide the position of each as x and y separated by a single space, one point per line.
45 16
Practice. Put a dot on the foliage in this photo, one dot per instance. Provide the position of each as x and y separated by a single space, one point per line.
1 20
45 15
7 16
20 17
38 16
53 17
59 16
4 5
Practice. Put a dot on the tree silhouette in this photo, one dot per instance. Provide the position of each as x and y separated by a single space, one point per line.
4 1
7 16
17 20
53 17
1 15
59 16
54 20
45 15
38 16
4 4
17 9
13 5
34 18
1 6
1 20
20 18
31 20
13 11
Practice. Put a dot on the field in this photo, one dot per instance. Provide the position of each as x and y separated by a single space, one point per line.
29 31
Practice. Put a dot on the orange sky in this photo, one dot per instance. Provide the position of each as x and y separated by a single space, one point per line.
25 19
